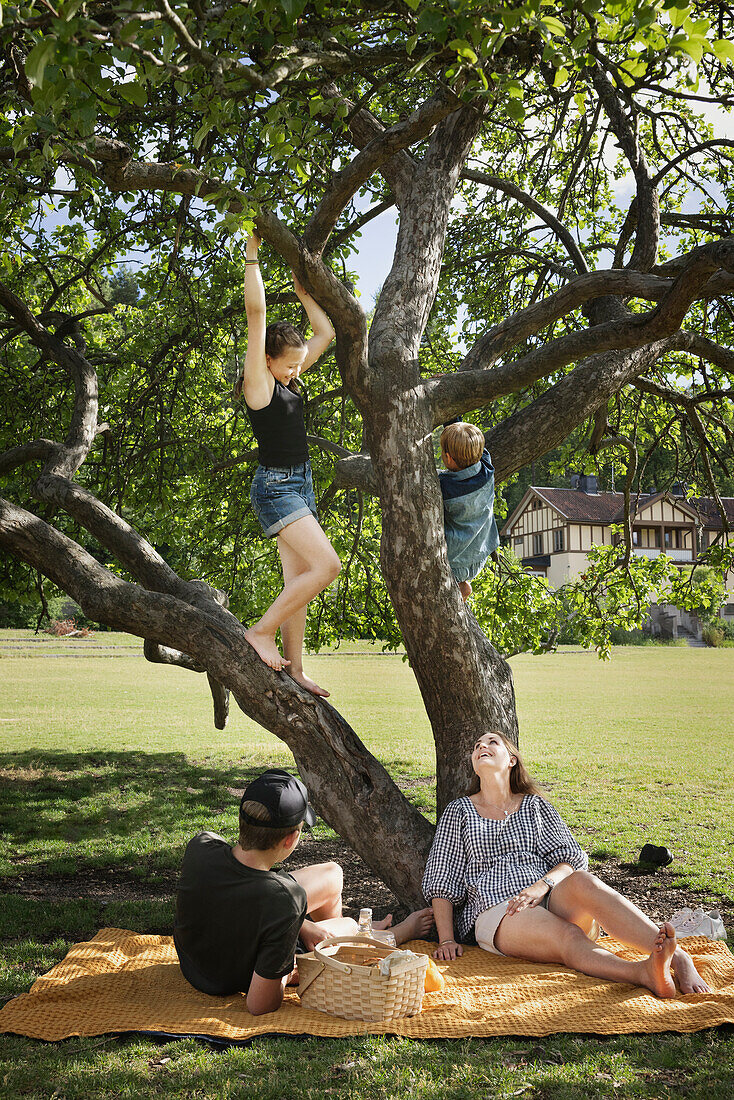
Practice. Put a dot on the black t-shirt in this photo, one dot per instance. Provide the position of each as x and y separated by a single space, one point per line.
280 428
233 921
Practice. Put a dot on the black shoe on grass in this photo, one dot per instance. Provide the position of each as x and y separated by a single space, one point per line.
655 856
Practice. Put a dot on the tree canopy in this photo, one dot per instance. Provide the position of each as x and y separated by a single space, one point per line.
564 259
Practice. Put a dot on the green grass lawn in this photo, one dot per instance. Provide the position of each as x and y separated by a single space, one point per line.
109 764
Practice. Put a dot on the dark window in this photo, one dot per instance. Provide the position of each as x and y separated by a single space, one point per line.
518 540
657 537
635 538
536 504
537 544
558 538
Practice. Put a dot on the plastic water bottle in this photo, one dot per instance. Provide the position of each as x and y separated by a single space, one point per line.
365 929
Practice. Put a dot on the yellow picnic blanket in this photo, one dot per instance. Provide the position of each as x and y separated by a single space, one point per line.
121 981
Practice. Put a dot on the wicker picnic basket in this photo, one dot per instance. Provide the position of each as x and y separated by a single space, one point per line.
335 979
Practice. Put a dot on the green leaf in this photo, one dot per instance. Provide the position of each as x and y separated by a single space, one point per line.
515 109
38 59
678 16
202 132
561 77
463 49
134 93
554 26
693 47
724 50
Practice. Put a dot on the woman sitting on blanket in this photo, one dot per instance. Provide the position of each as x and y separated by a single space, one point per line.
505 868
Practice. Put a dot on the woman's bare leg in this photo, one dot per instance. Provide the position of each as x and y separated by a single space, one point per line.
305 537
541 936
323 883
582 897
293 629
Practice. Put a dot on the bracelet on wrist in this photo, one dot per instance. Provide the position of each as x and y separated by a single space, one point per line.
442 942
251 262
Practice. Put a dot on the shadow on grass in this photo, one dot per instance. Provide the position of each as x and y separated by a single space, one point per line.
131 812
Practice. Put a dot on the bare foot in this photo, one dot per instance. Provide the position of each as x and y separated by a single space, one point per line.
656 969
309 684
266 649
386 922
466 589
414 927
686 975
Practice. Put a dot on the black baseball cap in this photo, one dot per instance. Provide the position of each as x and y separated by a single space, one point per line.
284 796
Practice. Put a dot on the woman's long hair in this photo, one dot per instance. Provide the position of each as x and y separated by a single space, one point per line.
521 782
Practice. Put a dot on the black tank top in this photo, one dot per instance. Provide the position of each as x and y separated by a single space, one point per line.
279 428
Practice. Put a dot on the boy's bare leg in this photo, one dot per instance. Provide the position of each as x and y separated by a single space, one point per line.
305 537
323 883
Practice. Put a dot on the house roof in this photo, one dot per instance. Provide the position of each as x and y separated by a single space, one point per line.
707 509
606 507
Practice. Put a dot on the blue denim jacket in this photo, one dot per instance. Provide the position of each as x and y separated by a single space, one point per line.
468 516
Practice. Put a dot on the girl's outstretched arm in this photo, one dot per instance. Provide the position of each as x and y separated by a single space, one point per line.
323 330
258 381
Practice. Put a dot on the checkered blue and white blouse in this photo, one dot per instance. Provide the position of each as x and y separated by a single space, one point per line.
476 862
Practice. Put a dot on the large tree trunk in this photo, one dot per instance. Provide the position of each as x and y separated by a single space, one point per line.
465 684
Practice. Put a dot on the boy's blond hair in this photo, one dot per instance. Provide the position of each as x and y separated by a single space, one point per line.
464 442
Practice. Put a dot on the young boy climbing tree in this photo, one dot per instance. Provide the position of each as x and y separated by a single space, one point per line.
467 487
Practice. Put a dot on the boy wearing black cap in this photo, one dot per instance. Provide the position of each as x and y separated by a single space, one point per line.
238 922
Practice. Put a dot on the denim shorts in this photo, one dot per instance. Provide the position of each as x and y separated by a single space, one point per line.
282 494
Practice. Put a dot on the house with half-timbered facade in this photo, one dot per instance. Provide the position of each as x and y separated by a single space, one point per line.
552 530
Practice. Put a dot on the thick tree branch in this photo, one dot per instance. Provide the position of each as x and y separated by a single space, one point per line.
380 149
163 655
111 531
65 460
364 128
37 450
121 172
539 427
455 393
409 290
515 192
323 743
527 322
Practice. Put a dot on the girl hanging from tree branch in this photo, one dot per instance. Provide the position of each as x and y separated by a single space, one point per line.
282 490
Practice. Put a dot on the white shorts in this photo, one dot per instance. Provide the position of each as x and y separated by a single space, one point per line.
487 923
